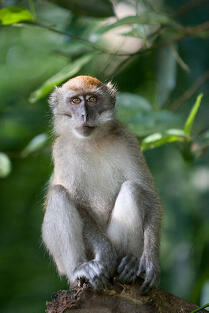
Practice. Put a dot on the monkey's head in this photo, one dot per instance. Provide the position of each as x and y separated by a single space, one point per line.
82 105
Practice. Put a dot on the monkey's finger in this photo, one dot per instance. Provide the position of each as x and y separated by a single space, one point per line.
106 274
123 262
127 276
127 263
155 280
128 271
99 269
145 287
99 282
105 281
86 272
141 269
129 268
95 282
95 267
150 279
132 278
108 271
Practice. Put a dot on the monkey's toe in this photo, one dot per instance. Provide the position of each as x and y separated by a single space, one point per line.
127 269
94 272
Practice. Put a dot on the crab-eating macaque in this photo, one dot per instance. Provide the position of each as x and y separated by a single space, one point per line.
102 212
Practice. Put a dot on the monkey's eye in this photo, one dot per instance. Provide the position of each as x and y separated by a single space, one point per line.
76 100
92 99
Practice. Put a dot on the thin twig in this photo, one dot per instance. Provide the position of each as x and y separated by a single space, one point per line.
179 60
186 95
187 7
181 11
189 31
73 37
64 33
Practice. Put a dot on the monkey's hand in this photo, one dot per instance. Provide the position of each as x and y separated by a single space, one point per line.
151 269
127 269
94 272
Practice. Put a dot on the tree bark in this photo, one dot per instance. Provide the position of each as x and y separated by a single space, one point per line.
118 299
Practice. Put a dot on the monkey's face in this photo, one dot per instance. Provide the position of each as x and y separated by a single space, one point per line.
87 111
83 106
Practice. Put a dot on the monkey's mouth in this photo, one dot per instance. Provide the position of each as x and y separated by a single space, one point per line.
85 130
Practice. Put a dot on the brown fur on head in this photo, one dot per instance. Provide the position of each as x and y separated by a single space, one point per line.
86 115
82 82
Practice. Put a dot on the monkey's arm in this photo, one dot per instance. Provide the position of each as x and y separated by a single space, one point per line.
134 229
69 235
149 263
62 231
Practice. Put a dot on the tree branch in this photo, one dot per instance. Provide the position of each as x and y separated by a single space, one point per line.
118 299
187 7
189 92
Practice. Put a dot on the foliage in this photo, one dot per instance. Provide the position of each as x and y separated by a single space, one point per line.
5 165
171 135
14 15
67 72
157 56
202 307
191 117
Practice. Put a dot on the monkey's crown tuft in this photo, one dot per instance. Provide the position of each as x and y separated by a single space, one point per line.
81 82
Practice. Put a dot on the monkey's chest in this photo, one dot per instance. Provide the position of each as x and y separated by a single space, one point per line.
93 182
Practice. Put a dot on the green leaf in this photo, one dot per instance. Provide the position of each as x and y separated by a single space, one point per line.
97 8
66 73
149 18
35 144
13 15
5 165
200 308
159 139
137 31
192 114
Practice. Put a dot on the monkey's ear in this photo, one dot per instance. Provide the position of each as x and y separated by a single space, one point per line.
112 90
54 99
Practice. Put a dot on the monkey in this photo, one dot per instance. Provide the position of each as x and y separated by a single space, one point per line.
102 212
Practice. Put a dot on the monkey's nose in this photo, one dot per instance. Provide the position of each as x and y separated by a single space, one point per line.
84 117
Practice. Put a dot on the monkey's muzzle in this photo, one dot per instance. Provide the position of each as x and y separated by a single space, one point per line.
85 130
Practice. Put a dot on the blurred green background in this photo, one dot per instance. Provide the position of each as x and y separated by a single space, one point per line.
157 54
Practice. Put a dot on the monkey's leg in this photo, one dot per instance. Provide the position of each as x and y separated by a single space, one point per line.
104 261
62 231
125 230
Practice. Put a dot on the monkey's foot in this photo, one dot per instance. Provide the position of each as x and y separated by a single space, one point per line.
127 269
151 271
94 272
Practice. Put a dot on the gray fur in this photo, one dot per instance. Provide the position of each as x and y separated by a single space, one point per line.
103 213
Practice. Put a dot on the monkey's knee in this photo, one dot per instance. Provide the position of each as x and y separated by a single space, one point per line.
129 206
125 229
58 189
62 230
131 192
59 199
57 193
